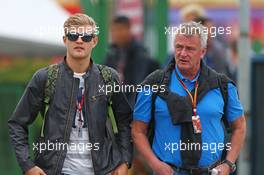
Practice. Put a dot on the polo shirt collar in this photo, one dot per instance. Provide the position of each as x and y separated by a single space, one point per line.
184 79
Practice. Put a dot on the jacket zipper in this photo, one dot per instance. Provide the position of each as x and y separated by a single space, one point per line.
85 107
67 127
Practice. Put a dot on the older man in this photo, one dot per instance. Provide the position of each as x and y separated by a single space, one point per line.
187 114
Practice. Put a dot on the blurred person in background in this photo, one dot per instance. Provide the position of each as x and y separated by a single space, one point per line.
76 118
233 65
191 11
128 56
216 56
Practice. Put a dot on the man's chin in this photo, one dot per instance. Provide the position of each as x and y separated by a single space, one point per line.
79 56
183 66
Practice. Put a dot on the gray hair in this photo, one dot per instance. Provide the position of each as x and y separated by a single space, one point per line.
194 28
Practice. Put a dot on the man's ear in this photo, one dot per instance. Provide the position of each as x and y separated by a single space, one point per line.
203 52
94 41
64 39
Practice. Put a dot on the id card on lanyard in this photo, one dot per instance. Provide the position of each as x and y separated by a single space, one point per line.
195 118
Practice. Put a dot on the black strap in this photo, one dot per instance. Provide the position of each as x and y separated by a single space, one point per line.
151 126
155 78
223 85
194 171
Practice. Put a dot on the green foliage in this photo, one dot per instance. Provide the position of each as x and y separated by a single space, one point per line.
20 70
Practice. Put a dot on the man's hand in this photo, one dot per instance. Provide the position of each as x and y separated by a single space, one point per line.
223 169
161 168
35 171
139 134
120 170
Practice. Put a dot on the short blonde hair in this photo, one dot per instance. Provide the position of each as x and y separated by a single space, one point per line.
79 19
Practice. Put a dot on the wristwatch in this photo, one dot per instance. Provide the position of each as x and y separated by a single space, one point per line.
127 164
231 165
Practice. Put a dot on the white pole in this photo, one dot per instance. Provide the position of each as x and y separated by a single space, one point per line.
244 76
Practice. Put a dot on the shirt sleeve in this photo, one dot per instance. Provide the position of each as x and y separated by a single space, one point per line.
142 109
234 106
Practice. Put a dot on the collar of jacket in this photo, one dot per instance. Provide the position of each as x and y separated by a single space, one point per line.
92 68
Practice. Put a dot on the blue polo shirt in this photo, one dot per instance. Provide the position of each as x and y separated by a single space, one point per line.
167 144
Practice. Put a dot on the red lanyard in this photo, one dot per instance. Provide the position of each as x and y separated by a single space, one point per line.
193 98
80 105
79 108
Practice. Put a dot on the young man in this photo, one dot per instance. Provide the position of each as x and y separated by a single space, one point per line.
75 122
188 112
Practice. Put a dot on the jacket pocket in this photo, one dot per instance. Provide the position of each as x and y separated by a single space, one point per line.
107 157
96 97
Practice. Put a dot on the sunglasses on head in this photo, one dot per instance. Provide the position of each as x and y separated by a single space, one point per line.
84 36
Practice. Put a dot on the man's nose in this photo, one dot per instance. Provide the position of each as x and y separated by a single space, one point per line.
79 40
183 52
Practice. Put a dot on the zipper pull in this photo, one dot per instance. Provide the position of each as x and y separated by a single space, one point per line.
79 132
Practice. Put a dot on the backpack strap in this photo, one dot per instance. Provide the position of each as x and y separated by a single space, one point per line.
151 126
159 81
53 71
223 85
106 73
155 78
